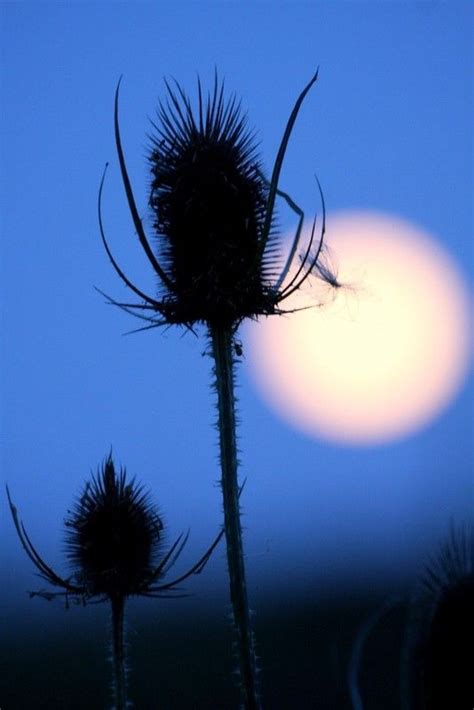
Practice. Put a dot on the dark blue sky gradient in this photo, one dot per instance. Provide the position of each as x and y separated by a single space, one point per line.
388 127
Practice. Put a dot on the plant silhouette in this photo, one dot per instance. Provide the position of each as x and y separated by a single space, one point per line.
217 260
437 664
115 549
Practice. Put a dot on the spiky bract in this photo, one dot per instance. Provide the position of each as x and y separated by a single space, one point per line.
114 535
208 199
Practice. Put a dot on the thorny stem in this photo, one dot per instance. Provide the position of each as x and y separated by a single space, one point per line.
118 651
222 352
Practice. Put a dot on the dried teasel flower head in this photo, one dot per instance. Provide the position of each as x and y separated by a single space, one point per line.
208 199
114 535
217 251
114 544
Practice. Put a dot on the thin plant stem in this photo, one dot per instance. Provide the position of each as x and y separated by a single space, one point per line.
222 345
118 653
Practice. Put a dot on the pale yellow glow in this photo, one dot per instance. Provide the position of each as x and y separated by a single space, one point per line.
384 354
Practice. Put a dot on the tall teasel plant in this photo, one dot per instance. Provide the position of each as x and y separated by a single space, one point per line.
116 549
217 255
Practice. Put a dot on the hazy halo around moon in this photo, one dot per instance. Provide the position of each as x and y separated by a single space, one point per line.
383 356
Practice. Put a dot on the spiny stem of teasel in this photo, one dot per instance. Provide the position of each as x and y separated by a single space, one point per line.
118 653
221 339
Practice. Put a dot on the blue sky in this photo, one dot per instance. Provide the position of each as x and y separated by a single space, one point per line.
388 128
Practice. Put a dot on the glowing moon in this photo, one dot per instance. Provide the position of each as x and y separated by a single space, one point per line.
385 354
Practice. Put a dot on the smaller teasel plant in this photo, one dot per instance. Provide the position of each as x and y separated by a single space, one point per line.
115 548
219 259
437 658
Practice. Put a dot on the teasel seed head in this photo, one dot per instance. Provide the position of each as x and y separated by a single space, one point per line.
114 543
208 201
114 535
216 249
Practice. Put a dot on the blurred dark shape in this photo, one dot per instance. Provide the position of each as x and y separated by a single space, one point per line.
438 660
